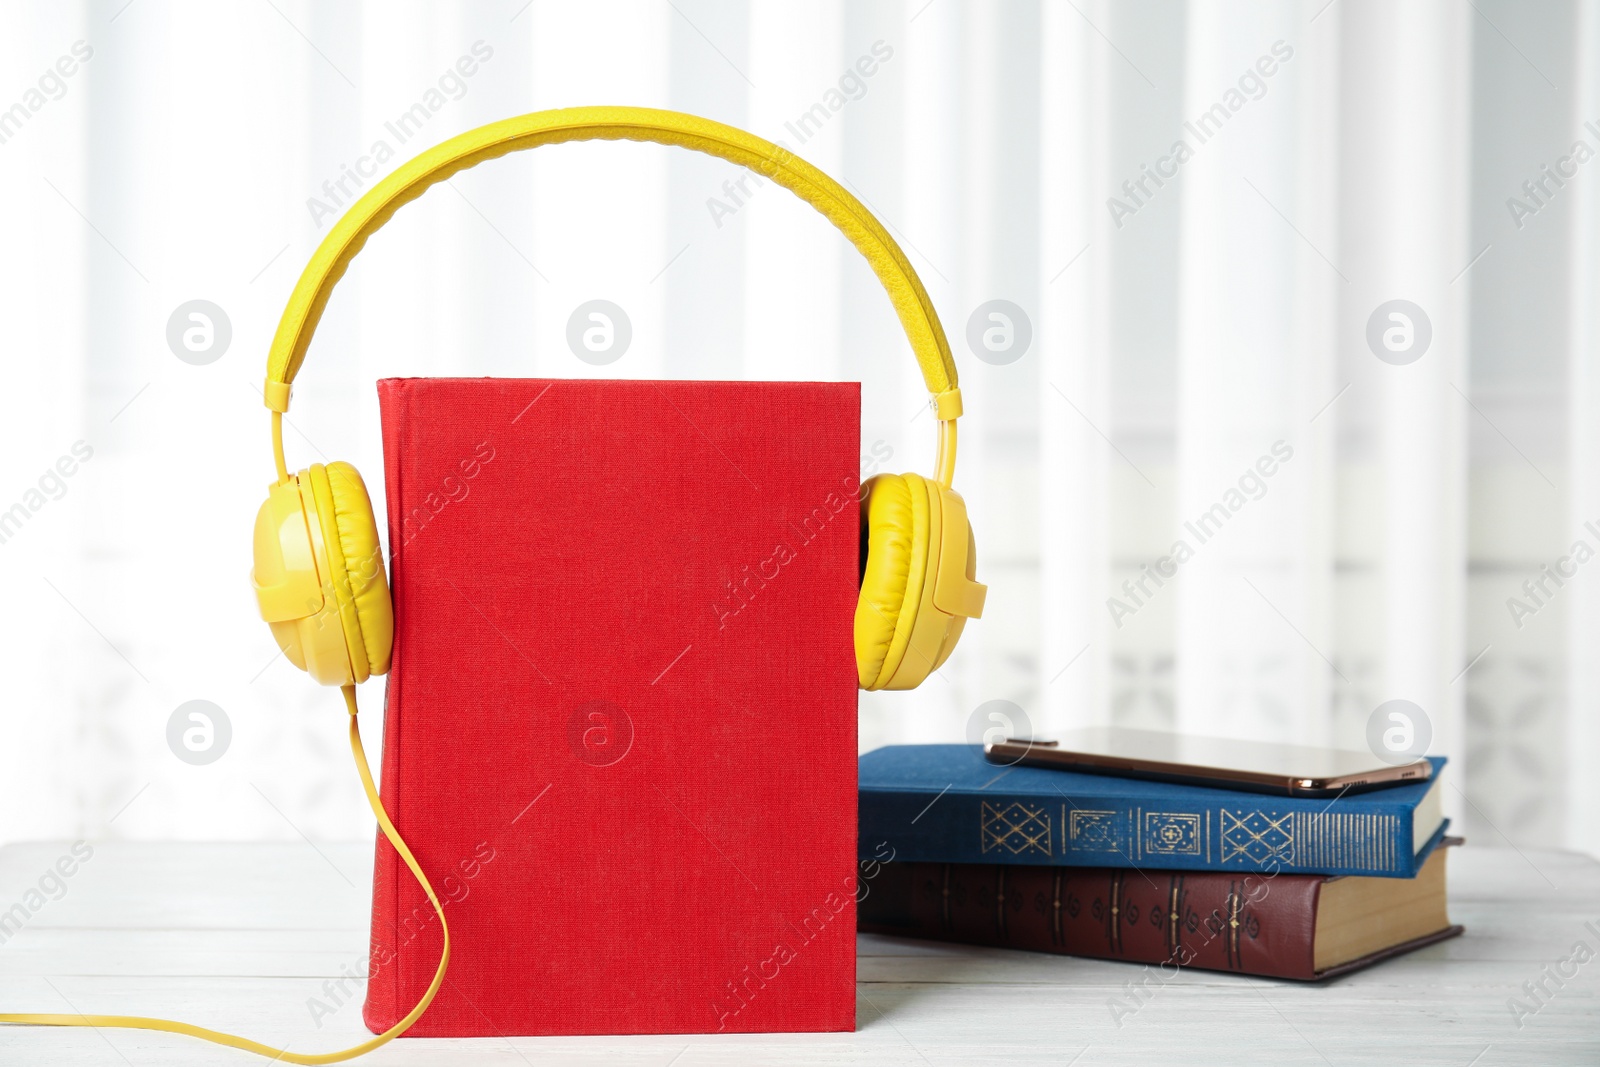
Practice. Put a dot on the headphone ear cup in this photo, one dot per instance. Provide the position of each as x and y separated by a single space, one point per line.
356 561
958 623
895 524
918 580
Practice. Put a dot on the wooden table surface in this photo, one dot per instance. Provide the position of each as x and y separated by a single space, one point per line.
240 936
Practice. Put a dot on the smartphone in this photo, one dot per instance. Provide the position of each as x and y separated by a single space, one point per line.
1256 766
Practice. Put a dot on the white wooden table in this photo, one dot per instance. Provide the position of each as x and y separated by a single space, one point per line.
238 937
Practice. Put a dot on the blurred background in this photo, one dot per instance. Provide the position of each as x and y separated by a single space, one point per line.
1353 242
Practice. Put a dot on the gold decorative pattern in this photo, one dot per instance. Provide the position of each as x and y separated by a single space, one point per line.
1093 831
1235 904
1017 828
1174 923
1057 935
1168 833
1253 837
1114 916
1362 840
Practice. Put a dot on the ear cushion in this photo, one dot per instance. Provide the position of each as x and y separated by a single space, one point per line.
894 515
368 587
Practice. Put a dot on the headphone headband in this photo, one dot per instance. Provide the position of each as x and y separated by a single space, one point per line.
332 258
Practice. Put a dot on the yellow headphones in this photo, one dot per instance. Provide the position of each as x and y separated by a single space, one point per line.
319 575
319 570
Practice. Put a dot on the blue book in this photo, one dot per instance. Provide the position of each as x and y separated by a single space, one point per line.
947 804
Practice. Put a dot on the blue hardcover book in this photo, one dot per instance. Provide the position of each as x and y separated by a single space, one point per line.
947 804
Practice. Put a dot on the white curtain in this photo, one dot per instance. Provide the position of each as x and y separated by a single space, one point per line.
1580 737
1194 323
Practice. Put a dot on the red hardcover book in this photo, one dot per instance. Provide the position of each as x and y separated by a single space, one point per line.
1301 926
620 731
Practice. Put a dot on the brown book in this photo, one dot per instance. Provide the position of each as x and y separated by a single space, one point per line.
1301 926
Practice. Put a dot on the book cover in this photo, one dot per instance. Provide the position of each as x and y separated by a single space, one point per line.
1298 926
620 731
948 804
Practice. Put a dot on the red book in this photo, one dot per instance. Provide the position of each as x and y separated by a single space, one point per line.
620 731
1302 926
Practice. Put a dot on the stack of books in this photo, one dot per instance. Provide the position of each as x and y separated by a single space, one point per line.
956 848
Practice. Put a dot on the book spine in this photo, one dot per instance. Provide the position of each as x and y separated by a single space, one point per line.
1239 832
1244 923
381 1009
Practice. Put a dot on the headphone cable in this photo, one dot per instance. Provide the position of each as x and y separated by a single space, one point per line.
140 1022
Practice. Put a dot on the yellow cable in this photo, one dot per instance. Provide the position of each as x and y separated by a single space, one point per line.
947 453
139 1022
277 447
